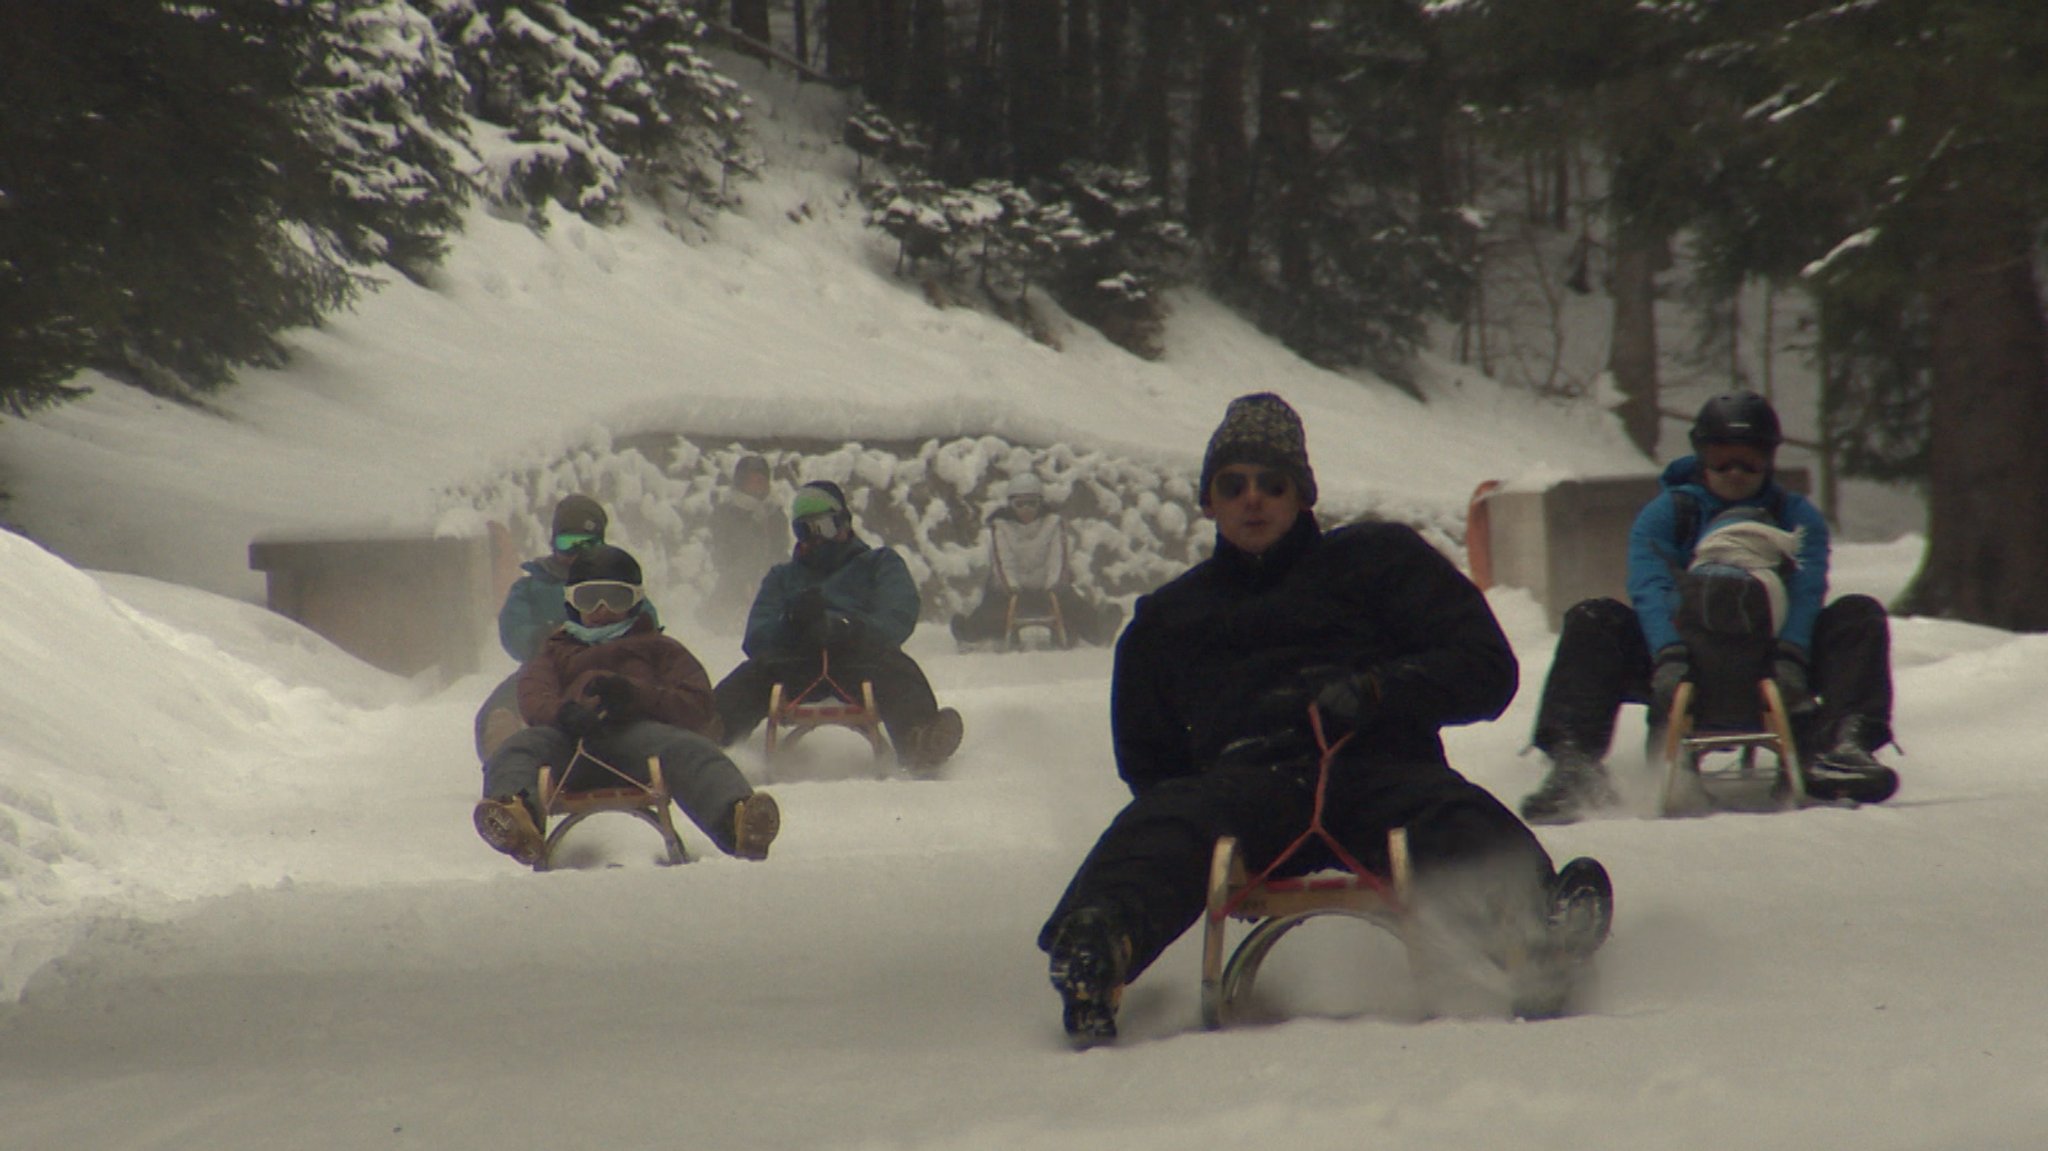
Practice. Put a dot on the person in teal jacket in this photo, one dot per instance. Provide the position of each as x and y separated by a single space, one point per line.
842 599
534 609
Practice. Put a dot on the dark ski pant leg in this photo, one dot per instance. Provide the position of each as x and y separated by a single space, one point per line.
515 767
902 693
504 697
701 778
1150 868
1851 666
742 696
1602 662
985 622
1472 856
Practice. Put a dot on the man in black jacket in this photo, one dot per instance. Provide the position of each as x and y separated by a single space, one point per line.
1210 713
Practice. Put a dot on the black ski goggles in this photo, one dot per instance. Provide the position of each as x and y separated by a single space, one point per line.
1271 484
588 596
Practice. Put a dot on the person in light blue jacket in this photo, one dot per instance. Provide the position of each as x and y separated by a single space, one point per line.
841 600
1831 661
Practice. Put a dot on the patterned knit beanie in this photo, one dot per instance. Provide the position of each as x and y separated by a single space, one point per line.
1260 429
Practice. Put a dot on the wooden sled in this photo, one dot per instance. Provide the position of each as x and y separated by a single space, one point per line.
1278 906
793 715
648 802
1017 618
1698 764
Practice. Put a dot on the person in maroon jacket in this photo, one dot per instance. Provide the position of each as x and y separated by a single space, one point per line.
610 684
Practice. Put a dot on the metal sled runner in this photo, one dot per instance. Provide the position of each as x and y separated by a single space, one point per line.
574 803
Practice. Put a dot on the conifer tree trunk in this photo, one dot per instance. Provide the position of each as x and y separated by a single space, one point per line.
1284 190
1632 355
1219 154
1987 539
1078 80
1112 79
750 17
1031 74
1151 110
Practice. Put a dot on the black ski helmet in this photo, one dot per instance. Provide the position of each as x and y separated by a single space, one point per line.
604 562
1737 418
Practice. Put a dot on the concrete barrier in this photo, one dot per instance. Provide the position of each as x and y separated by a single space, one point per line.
1569 542
407 605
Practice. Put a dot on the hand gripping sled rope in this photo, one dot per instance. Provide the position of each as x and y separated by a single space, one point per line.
574 800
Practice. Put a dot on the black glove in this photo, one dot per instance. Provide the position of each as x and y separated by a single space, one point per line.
806 616
577 719
1788 667
1674 666
618 699
840 630
1349 702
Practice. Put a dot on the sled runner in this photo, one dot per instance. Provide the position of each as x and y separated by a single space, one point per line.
824 703
1710 750
1043 611
588 786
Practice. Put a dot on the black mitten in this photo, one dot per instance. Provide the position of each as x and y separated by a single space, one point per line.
618 698
577 719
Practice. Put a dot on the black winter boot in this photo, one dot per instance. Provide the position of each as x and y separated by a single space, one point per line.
1089 957
1577 783
1847 771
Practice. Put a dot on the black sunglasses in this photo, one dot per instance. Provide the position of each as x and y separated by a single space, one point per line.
1271 484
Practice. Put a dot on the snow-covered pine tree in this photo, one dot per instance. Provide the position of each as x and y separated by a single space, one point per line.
383 96
678 120
538 71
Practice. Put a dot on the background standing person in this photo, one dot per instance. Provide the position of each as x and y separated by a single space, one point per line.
1210 712
749 535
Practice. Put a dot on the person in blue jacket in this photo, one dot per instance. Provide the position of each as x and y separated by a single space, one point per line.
841 599
534 608
1832 661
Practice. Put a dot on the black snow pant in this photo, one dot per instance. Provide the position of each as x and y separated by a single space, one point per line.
1149 872
702 780
1603 661
902 694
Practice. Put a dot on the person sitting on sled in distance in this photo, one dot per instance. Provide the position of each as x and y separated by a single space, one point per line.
1029 561
609 684
749 535
1210 707
842 602
1831 661
533 608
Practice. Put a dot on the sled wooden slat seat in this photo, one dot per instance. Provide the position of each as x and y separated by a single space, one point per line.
647 802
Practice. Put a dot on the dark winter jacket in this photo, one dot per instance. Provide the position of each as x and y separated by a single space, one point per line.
1656 557
671 687
869 585
1235 648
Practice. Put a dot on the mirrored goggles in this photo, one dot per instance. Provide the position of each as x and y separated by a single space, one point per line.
576 541
818 525
1271 484
588 596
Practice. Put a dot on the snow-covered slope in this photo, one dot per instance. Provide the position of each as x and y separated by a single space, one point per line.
241 905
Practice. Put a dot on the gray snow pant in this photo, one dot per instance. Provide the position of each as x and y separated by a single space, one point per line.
702 779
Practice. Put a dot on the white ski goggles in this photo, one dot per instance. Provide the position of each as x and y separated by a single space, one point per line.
588 596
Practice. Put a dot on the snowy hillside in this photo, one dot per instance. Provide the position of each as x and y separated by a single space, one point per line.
241 904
